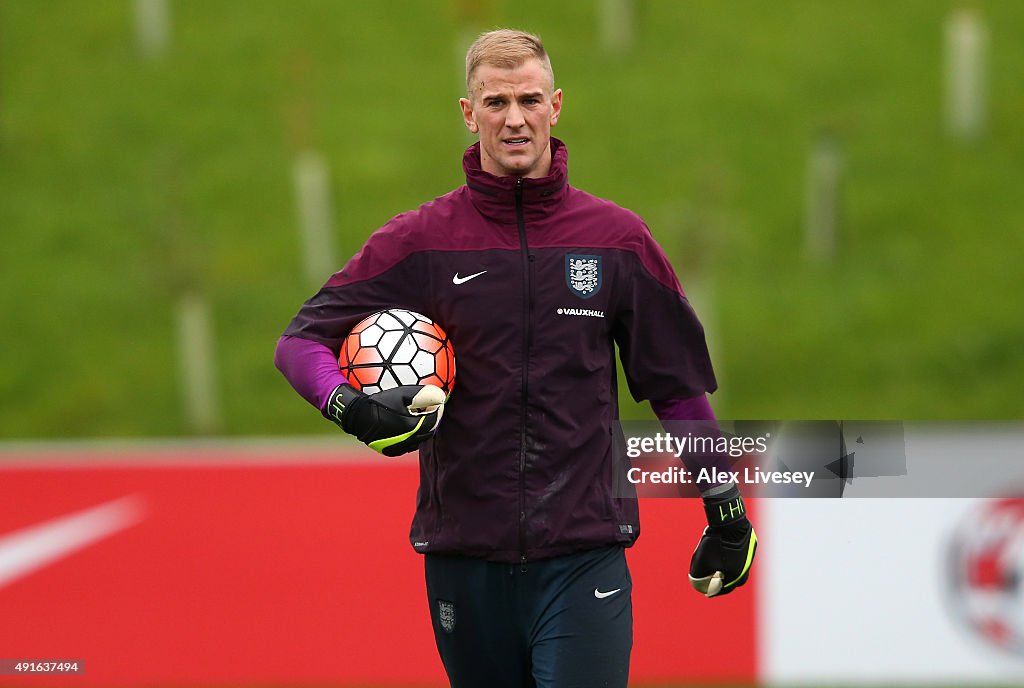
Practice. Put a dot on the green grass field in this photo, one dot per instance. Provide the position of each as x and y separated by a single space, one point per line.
124 181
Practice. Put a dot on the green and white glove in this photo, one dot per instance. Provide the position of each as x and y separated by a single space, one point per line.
721 563
392 422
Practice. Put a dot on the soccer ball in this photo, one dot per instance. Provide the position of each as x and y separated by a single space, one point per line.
397 347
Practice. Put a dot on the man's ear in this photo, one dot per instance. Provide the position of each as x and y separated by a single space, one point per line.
467 114
556 106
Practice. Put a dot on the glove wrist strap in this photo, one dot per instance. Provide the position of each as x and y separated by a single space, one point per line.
725 509
340 400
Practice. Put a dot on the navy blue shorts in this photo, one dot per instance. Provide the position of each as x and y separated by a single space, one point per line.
564 622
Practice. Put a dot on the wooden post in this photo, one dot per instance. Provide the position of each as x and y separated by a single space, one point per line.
617 19
152 27
966 74
197 364
824 180
316 225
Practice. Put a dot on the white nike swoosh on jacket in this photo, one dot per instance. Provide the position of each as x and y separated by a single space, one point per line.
461 280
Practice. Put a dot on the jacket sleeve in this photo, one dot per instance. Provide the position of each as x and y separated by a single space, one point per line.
310 367
696 408
661 341
381 275
683 416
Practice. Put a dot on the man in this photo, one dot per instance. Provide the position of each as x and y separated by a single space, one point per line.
535 282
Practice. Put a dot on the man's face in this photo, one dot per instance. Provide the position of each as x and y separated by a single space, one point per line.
513 111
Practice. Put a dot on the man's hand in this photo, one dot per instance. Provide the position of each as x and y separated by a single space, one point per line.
722 560
392 422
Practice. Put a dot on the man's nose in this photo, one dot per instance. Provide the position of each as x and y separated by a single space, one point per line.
514 118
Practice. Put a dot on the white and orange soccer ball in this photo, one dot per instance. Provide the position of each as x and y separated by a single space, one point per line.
397 347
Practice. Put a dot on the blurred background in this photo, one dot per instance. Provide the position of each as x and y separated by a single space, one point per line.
837 183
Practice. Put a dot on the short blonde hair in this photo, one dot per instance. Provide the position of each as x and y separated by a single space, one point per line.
505 49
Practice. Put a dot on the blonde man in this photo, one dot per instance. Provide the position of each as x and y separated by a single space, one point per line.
536 282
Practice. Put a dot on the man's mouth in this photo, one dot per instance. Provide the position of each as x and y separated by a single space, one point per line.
519 141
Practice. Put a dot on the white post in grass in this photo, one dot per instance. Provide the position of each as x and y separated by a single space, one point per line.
316 223
617 19
824 179
152 27
701 295
966 67
198 374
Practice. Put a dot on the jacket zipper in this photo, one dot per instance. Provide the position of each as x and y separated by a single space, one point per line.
525 251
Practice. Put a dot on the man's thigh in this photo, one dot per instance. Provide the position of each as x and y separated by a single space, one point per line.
582 631
473 610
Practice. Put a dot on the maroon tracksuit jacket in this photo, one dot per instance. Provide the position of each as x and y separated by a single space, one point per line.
535 282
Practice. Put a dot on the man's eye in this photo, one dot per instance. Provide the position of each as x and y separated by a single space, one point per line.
495 103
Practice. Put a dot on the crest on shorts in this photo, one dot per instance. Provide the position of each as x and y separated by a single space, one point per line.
583 275
446 615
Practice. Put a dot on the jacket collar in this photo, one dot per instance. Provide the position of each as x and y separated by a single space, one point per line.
495 197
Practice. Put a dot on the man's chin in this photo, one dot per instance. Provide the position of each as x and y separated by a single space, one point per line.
517 164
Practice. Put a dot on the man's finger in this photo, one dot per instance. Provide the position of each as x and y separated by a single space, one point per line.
709 586
429 398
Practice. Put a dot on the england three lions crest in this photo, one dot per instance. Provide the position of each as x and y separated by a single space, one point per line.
583 275
446 615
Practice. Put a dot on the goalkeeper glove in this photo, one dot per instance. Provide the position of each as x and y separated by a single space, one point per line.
392 422
722 560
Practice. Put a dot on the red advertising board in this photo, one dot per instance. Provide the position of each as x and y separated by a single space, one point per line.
285 567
